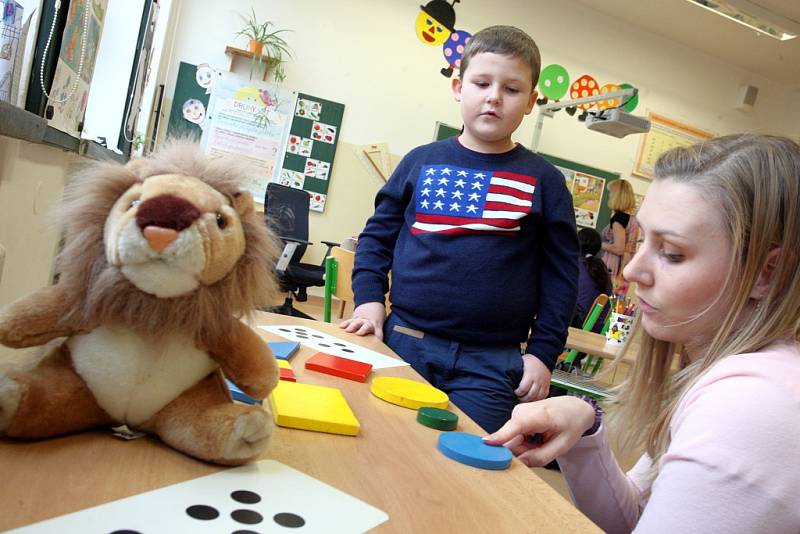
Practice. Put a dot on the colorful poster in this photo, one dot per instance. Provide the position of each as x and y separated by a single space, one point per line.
69 92
311 148
250 119
664 134
587 195
187 117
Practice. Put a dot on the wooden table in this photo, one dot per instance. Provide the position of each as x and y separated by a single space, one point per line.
393 464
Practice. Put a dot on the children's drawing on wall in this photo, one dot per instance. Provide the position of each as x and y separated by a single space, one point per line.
435 26
587 195
554 84
70 88
189 111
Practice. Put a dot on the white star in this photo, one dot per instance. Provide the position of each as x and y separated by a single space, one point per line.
462 172
446 171
425 192
438 205
460 183
427 181
440 192
474 196
425 204
479 175
472 209
430 171
454 206
443 181
477 185
457 194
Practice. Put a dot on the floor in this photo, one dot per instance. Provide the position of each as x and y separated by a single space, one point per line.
314 307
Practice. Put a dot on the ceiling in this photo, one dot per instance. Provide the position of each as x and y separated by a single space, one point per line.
702 30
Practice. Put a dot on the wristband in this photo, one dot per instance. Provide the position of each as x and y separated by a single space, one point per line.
598 415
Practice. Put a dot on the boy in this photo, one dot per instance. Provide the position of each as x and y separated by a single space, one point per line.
479 234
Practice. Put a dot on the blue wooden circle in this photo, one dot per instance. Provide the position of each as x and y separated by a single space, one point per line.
470 449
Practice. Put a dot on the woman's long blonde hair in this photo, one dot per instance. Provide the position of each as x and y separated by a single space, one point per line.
621 196
753 182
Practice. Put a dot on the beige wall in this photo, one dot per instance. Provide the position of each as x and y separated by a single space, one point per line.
32 178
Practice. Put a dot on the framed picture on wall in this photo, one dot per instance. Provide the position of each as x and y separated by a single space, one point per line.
664 134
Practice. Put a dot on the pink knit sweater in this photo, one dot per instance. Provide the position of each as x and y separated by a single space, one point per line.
733 464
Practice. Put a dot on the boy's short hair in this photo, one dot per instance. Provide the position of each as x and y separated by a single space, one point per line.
506 40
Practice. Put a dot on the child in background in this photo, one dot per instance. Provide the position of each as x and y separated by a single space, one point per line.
479 235
593 278
718 274
622 231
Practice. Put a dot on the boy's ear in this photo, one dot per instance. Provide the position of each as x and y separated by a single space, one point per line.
765 278
456 86
531 102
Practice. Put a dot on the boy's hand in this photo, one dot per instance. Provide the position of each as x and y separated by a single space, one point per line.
535 383
367 319
560 421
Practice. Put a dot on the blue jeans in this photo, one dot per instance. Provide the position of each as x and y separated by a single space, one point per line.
479 379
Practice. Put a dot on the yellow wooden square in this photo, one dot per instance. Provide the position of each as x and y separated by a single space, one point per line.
284 364
310 407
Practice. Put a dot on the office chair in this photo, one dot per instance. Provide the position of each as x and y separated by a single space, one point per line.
286 211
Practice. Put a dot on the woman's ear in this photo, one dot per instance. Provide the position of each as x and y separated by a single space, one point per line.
765 277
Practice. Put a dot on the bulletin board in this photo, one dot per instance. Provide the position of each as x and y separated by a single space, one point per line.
588 188
443 131
311 147
664 134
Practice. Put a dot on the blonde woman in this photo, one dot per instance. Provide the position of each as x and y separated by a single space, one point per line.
718 274
620 235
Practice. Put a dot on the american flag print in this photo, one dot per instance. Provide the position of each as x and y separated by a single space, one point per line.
455 200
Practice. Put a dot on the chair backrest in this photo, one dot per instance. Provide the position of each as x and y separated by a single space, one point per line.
595 311
286 212
344 272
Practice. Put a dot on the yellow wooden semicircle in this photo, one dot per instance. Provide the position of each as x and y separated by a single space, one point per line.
408 393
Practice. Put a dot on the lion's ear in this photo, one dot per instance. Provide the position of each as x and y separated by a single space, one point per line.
243 202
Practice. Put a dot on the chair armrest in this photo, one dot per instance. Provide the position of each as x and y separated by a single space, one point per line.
331 244
286 256
295 240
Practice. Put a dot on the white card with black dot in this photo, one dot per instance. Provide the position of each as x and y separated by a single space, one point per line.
260 497
333 345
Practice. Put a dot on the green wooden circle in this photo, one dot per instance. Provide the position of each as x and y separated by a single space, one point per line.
437 418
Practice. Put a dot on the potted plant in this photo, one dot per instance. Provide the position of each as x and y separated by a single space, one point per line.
265 45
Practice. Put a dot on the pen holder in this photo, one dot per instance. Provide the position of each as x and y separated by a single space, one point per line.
619 329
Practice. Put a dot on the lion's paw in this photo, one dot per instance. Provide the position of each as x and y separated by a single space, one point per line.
249 436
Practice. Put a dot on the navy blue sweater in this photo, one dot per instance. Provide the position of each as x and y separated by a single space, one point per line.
482 247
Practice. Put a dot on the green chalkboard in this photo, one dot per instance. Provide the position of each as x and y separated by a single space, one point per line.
443 131
586 184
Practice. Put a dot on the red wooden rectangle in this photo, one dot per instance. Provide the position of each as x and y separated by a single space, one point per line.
338 366
287 374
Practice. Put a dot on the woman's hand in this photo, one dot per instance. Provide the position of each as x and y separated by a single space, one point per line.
367 319
559 421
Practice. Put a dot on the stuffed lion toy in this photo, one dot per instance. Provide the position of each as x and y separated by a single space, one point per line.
162 259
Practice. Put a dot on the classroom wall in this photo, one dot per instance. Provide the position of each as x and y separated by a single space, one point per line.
32 178
366 55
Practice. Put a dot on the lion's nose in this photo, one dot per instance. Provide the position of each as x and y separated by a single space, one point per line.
161 218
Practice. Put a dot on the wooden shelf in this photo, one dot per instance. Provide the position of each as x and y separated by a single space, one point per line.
266 61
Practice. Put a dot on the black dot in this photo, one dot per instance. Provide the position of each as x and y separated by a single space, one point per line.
323 345
246 497
317 336
340 344
284 329
126 532
300 330
248 517
201 511
348 350
245 532
288 520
